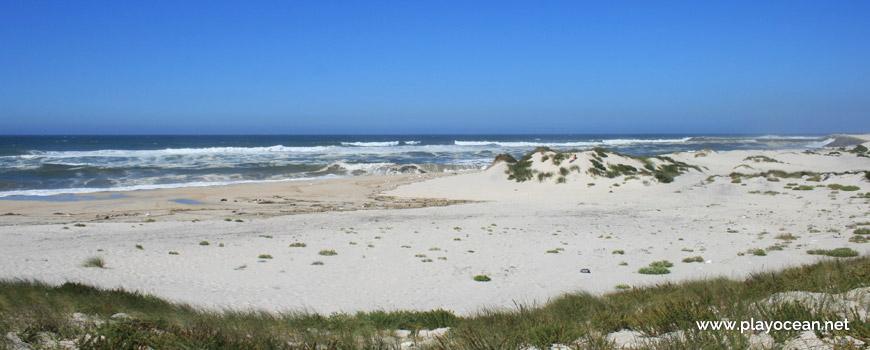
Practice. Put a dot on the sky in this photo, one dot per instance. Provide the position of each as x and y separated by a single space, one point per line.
382 67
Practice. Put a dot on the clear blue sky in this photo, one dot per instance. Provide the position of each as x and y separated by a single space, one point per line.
288 67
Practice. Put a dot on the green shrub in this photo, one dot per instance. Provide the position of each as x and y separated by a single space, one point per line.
520 171
203 243
329 252
757 252
94 261
862 231
803 188
298 245
264 256
858 239
838 187
661 263
787 237
693 259
482 278
172 252
838 252
654 270
618 251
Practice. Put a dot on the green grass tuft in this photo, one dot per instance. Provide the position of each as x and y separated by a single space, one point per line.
654 270
328 252
838 252
693 259
482 278
94 261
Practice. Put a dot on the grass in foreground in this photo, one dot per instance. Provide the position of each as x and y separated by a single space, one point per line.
31 307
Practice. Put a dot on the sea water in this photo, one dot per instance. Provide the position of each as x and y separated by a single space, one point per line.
51 165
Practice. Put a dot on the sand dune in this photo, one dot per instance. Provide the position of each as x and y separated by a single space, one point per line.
531 238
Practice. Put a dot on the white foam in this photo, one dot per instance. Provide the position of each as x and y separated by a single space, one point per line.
820 144
611 142
521 144
411 142
634 141
371 144
778 137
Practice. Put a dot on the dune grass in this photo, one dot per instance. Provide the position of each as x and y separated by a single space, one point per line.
837 253
94 261
28 307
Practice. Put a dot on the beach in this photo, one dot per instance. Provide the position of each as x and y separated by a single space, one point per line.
416 241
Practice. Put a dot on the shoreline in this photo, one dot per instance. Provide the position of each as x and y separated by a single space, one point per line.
532 239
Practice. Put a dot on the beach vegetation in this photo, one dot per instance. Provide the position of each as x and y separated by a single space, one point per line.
482 278
761 158
317 263
31 307
150 220
94 261
838 252
298 245
520 171
786 237
203 243
239 220
544 176
839 187
661 263
265 236
757 252
653 270
774 247
618 251
623 263
816 178
265 256
79 225
139 246
228 219
862 231
623 287
504 157
693 259
426 260
858 239
328 252
172 252
803 188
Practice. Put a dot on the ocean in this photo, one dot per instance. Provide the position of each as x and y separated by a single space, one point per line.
52 165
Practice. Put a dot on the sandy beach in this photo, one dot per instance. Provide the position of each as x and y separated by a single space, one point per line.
416 241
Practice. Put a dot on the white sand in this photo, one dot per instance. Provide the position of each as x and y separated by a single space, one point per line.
510 234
